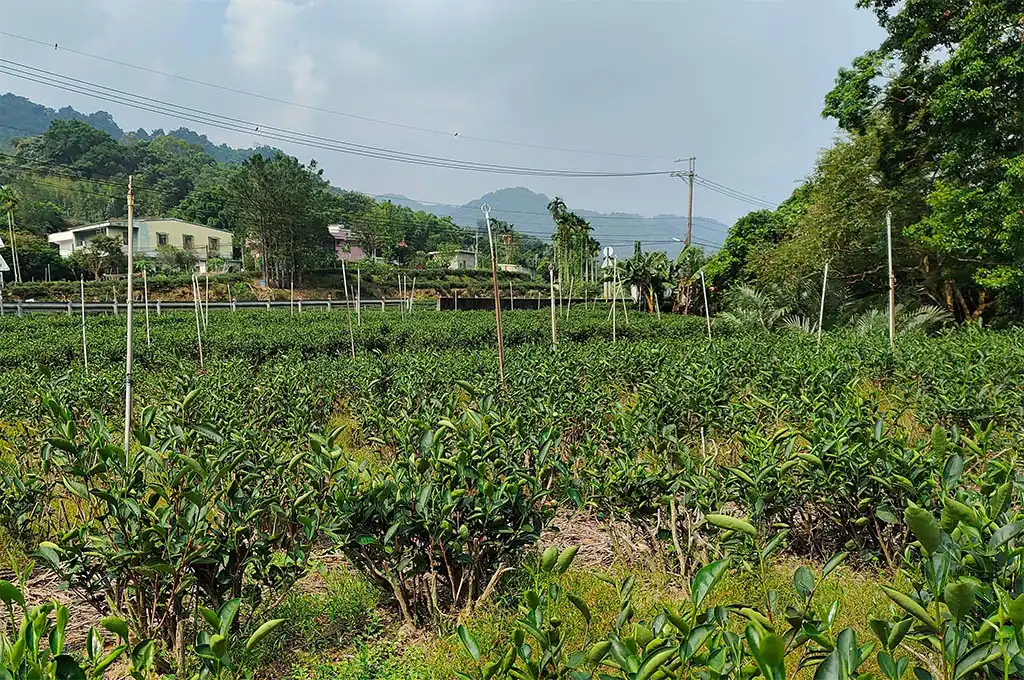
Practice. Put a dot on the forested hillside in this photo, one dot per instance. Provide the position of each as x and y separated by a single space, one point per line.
74 173
20 117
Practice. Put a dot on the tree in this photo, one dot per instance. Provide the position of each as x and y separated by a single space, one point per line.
35 254
573 246
649 273
945 91
281 210
379 230
102 255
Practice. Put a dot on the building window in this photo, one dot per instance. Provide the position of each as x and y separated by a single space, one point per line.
213 247
124 239
187 242
161 239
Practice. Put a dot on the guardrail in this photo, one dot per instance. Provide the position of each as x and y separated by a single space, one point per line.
21 308
158 307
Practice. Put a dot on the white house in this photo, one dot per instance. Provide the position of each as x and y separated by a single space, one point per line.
203 242
461 259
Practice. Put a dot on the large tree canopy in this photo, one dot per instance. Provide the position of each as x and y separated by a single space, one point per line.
944 92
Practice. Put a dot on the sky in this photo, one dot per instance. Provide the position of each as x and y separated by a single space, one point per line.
737 84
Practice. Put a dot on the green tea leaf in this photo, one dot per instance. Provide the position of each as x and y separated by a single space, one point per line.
731 523
469 642
262 632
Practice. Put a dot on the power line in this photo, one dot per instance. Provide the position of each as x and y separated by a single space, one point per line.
308 107
734 194
163 107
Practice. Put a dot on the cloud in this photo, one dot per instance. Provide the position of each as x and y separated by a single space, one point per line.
355 60
256 29
305 83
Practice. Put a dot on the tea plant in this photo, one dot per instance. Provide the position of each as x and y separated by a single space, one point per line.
965 613
188 515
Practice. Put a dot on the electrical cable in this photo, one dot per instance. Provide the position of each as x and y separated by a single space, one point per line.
308 107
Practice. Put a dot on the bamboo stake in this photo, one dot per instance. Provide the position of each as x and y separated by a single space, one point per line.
892 283
359 298
348 312
707 310
85 349
206 308
145 297
821 312
195 305
554 332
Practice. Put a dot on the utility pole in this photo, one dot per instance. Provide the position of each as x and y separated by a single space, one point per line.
689 175
128 301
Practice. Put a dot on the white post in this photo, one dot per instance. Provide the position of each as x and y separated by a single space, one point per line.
195 305
497 297
348 312
615 296
14 249
359 298
412 294
291 296
551 279
145 296
129 305
85 349
892 283
206 307
707 310
821 312
511 298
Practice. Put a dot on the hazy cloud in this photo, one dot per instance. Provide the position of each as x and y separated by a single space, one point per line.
739 84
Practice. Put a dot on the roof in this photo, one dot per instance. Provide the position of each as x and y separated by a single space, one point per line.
124 223
455 252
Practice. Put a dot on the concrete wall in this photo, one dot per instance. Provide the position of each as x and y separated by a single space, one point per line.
176 231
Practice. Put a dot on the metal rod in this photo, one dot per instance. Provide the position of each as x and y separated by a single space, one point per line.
497 299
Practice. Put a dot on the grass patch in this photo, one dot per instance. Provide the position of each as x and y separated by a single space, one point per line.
330 609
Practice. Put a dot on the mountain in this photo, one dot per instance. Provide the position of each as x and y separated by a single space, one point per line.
527 210
21 117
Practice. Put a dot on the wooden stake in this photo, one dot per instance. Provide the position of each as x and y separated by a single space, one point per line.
359 298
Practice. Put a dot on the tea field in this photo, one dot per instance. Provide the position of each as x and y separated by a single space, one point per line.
661 506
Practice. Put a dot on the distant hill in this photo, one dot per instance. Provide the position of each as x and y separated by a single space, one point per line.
527 210
21 117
